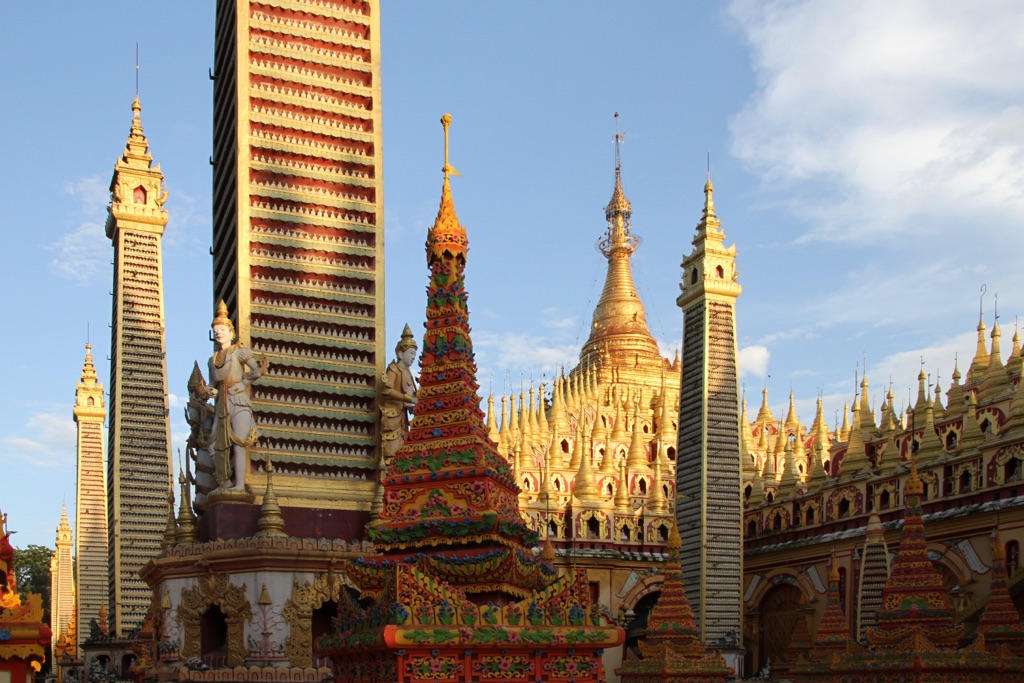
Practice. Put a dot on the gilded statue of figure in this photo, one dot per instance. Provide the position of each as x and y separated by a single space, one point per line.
232 369
397 396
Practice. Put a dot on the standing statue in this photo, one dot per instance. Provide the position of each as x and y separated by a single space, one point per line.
199 416
397 397
232 369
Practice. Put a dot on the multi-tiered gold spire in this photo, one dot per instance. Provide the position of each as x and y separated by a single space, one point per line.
619 326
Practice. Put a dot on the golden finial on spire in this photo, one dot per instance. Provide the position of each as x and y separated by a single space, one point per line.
618 204
447 238
619 137
447 169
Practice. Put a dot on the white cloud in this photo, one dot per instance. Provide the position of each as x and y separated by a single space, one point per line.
668 348
753 361
520 354
46 440
83 254
188 222
874 113
93 193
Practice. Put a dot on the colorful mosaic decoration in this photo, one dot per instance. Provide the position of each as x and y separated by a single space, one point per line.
457 591
448 487
916 636
914 598
672 650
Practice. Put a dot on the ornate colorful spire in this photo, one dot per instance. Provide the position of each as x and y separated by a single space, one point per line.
1000 622
833 632
448 489
914 600
672 650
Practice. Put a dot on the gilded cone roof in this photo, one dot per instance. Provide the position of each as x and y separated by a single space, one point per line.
620 314
450 499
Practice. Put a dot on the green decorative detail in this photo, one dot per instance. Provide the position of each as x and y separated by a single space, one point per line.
432 636
433 461
434 527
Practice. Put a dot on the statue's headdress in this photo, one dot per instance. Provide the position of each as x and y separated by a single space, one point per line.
408 341
222 317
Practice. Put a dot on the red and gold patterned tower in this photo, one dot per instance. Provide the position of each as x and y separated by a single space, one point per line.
139 435
91 497
298 237
459 594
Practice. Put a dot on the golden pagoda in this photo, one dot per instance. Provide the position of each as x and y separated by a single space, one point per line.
594 451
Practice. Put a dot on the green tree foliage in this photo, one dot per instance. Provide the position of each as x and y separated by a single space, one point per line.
32 572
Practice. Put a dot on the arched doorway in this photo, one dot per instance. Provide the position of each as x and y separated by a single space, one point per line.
213 637
636 630
127 661
213 601
322 624
309 612
779 611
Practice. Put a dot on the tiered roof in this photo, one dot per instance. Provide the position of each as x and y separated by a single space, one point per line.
448 490
672 649
914 599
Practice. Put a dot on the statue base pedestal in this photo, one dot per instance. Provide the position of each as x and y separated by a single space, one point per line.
223 495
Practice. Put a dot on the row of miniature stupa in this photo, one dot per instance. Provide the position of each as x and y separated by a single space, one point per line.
804 459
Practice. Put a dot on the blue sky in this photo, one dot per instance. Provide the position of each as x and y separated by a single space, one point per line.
867 161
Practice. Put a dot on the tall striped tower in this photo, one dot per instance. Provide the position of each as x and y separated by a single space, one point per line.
91 497
62 580
139 445
708 472
298 234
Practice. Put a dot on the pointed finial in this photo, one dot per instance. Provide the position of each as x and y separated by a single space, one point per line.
447 169
709 219
981 302
136 71
618 204
271 523
619 137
